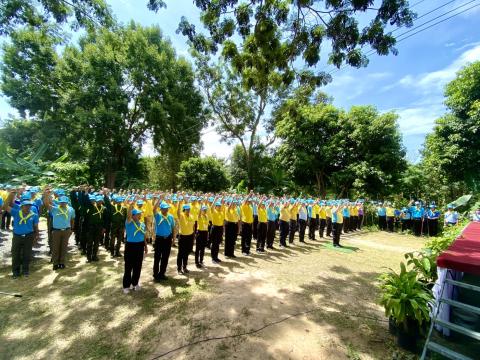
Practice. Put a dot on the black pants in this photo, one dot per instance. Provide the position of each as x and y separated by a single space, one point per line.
406 224
346 224
6 220
246 237
216 233
283 232
116 238
185 246
432 227
271 229
360 222
133 263
353 223
83 235
336 230
106 238
291 230
323 225
201 239
382 222
417 227
302 225
163 246
255 227
21 253
329 226
261 235
390 223
312 226
93 239
77 228
231 230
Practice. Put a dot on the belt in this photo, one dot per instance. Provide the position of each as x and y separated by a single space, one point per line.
161 236
24 235
61 229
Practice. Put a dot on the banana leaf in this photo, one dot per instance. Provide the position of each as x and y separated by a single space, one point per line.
461 201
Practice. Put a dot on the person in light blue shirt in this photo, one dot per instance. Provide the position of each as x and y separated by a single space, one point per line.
382 216
302 220
346 218
255 218
272 217
451 216
25 234
418 213
135 247
406 219
433 215
164 227
63 217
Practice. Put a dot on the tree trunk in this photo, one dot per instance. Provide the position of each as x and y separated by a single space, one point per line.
110 177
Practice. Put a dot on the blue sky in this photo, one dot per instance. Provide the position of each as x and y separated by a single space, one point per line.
411 83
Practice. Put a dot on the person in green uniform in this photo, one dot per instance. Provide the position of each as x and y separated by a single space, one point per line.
95 220
118 216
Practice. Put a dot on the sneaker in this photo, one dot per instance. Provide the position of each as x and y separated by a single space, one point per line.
215 261
55 267
186 271
179 271
126 290
137 287
198 265
244 254
26 274
162 278
218 260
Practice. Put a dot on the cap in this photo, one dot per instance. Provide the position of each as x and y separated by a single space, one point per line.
99 198
186 207
140 202
26 202
164 205
218 203
136 211
63 199
204 207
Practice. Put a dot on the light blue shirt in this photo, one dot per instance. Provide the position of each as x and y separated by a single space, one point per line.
381 211
22 227
255 209
451 217
164 225
302 213
417 213
346 212
271 214
61 217
135 233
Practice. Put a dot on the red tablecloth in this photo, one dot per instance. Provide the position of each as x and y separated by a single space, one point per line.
464 253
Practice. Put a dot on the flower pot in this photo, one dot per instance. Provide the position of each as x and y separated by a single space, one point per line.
392 326
407 335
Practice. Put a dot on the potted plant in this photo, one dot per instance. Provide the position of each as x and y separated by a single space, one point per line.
405 300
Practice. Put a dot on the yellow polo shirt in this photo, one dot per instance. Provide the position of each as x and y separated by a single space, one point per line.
231 214
322 214
217 216
284 213
202 222
262 215
186 224
246 213
328 212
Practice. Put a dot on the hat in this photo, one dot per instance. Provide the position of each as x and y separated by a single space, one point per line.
63 199
211 198
218 203
140 202
417 202
148 197
292 201
186 207
92 197
26 202
25 197
450 206
136 211
432 206
204 207
99 198
164 205
119 198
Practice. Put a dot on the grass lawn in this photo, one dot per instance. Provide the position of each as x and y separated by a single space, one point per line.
81 312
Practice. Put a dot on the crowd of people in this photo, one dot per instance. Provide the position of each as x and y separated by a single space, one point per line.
138 218
193 222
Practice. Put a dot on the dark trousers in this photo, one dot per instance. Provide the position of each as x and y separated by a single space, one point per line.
360 222
432 227
406 224
302 225
346 224
336 230
329 226
246 237
116 238
21 253
106 237
271 229
323 225
216 233
312 227
185 246
93 239
83 235
133 263
231 230
255 227
390 223
291 230
201 239
261 235
417 227
382 222
353 223
163 246
283 232
6 220
77 228
60 245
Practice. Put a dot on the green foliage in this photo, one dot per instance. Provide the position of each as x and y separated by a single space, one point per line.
274 35
203 174
424 263
440 243
452 150
85 13
404 297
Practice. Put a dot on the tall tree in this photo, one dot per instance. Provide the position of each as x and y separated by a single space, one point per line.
109 91
203 174
452 150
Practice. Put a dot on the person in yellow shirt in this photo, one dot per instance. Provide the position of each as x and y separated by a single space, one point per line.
328 214
390 212
148 217
217 215
246 211
201 236
337 223
173 202
293 220
322 214
312 210
354 216
262 225
232 224
284 222
185 240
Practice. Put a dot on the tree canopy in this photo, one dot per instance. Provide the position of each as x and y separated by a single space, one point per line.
206 174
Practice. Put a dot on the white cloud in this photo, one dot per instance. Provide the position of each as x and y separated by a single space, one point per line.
418 120
213 146
148 148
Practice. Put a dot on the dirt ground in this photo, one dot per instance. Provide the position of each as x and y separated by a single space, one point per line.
304 302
